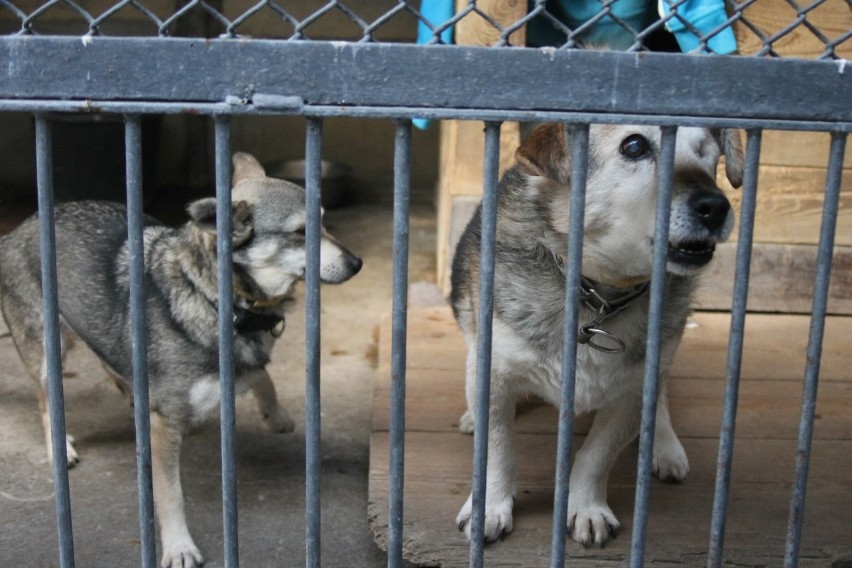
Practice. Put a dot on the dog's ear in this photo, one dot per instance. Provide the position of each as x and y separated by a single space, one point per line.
732 147
246 167
203 215
545 153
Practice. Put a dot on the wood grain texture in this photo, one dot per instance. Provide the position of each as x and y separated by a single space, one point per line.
792 149
833 18
438 458
475 29
789 205
781 279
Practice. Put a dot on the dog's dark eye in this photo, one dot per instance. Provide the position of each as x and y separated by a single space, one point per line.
635 146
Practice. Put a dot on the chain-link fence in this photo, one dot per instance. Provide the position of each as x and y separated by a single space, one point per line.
630 25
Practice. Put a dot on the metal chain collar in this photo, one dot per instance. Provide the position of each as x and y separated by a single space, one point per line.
606 308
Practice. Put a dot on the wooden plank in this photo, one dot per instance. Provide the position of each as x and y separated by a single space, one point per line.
833 18
438 470
767 409
462 156
774 346
781 279
789 205
770 390
473 29
792 149
438 458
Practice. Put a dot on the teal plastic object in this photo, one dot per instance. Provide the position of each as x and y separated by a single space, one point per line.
437 12
705 16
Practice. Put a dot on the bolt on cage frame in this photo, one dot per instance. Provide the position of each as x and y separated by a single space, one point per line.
316 79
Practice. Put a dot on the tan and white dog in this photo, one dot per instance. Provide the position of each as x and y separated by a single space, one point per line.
529 299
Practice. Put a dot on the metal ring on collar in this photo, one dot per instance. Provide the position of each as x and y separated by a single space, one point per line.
592 331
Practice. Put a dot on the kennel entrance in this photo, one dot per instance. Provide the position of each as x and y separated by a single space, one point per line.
233 77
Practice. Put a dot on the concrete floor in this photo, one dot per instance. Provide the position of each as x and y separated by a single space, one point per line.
270 467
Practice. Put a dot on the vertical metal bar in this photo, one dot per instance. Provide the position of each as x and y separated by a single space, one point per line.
820 303
312 342
652 350
52 347
139 337
735 349
401 169
226 338
579 143
483 347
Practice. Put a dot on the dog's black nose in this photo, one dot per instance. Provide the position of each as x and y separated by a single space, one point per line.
711 208
356 263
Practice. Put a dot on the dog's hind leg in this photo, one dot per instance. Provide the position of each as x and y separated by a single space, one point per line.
670 462
179 550
28 334
271 412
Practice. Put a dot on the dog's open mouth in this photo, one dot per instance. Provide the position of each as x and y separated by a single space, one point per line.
692 253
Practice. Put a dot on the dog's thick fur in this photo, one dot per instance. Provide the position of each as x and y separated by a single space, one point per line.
268 217
529 299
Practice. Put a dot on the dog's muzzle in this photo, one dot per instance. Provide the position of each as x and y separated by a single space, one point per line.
709 209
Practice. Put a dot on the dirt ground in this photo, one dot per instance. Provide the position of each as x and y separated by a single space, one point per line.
270 467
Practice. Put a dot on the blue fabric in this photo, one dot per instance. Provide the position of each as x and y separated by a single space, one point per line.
436 12
606 32
705 16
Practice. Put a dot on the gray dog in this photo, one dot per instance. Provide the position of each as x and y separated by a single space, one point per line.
529 299
268 218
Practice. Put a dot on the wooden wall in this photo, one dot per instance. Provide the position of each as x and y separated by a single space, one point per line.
791 178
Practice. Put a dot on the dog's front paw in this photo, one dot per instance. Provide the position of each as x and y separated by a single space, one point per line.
71 456
670 462
466 423
498 518
592 524
181 554
279 421
71 452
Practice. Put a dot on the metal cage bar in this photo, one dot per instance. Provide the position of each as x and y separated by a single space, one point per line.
224 245
483 336
52 343
811 379
402 174
312 343
735 349
652 351
579 142
139 338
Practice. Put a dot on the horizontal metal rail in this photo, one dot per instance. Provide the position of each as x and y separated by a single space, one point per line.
352 74
398 112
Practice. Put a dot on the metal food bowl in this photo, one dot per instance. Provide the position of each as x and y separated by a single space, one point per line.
334 178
